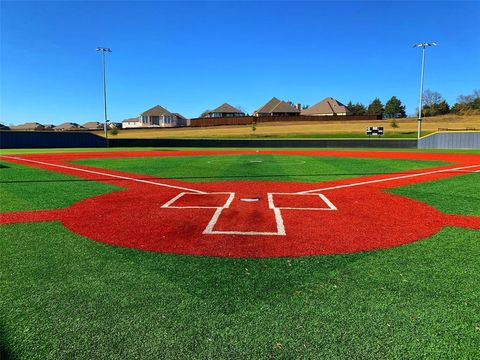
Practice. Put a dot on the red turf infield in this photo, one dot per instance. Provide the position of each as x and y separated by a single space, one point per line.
333 217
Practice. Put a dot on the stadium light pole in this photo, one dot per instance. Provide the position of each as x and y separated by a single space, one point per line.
104 50
423 46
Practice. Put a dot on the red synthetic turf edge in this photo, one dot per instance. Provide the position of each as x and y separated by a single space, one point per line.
366 219
30 216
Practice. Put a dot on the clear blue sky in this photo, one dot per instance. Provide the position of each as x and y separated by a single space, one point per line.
189 57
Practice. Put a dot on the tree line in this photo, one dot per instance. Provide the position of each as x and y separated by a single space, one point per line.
433 104
393 108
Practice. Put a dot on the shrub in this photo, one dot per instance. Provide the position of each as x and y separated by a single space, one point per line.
394 124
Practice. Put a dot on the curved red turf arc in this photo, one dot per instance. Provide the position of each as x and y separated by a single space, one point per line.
366 218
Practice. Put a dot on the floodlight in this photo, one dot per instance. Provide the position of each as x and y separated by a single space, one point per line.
103 50
423 46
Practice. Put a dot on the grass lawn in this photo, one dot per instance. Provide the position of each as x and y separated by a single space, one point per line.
457 195
27 188
64 296
257 167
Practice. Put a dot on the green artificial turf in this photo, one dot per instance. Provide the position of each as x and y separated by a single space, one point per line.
257 167
64 296
454 195
28 188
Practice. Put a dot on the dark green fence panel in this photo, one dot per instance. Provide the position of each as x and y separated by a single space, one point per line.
244 143
49 139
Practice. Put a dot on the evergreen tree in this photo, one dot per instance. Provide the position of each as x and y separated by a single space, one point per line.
357 109
434 104
375 107
437 109
350 106
394 108
442 108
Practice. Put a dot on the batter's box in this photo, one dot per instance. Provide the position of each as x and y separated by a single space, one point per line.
291 201
186 200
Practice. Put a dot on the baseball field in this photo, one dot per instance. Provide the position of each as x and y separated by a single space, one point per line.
240 254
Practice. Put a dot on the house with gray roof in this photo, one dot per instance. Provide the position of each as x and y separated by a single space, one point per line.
224 110
93 125
327 107
69 126
29 126
276 107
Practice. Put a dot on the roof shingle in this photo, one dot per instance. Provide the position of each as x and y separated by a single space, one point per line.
29 126
328 106
277 106
226 108
157 110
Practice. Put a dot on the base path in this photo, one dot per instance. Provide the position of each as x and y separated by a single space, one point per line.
251 218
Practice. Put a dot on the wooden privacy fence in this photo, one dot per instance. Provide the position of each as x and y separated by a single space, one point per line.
248 120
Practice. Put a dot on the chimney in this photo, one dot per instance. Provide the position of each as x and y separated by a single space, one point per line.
299 107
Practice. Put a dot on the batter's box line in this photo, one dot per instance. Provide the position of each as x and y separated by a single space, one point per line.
209 229
278 220
168 204
330 206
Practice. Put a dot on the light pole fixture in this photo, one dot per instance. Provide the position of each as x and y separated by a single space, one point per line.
103 50
423 46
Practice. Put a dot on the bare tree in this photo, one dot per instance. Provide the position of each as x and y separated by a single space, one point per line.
465 99
205 113
431 98
241 108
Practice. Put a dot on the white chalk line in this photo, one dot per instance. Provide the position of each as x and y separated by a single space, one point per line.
209 229
277 211
105 174
227 203
469 172
389 179
329 204
210 226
